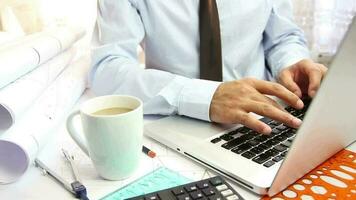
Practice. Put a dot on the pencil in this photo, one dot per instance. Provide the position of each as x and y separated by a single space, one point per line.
148 152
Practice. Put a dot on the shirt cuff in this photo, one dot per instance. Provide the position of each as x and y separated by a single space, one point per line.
195 98
287 56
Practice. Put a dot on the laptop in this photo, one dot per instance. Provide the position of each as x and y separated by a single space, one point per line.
268 164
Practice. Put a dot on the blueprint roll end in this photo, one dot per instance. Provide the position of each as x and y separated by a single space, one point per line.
6 118
12 165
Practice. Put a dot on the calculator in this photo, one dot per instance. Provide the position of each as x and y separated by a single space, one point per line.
215 188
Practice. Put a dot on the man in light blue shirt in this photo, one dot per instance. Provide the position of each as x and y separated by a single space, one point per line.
259 42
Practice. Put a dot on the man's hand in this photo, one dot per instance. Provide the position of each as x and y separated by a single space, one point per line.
233 101
303 78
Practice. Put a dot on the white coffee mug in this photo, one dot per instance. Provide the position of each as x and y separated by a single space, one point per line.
113 142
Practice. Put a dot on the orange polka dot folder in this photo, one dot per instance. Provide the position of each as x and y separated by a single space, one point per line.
333 180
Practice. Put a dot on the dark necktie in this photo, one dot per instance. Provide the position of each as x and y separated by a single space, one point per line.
210 42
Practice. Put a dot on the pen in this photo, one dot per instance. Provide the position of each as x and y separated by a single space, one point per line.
148 152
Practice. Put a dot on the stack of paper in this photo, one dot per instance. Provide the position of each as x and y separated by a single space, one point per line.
40 84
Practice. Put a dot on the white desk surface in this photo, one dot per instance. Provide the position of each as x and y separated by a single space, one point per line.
34 185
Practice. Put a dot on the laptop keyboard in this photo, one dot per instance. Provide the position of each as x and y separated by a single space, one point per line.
262 149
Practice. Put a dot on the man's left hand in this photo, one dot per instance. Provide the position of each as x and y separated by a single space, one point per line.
303 78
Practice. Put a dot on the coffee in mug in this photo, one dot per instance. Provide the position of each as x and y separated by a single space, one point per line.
112 111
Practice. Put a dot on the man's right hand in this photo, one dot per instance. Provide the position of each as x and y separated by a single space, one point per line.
233 102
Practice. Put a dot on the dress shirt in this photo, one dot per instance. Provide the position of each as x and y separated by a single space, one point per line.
258 39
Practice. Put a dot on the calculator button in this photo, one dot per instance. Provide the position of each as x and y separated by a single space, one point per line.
184 197
216 181
214 188
152 197
178 191
190 188
208 191
226 193
203 185
233 197
215 197
196 195
221 187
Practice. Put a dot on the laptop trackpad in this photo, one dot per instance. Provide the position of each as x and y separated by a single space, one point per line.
189 127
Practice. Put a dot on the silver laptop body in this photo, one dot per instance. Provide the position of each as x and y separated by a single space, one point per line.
328 126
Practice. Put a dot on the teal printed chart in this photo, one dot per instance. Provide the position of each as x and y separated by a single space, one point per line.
160 179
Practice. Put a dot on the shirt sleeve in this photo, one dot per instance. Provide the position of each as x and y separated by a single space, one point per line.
284 42
116 70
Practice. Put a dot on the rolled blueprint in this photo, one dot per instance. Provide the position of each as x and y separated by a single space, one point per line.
18 59
20 145
20 41
15 62
17 97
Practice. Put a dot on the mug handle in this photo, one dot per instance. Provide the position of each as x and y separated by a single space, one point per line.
74 133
